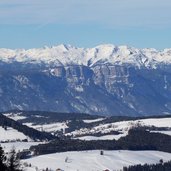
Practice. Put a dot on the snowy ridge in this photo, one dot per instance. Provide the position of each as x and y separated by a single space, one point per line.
68 55
15 116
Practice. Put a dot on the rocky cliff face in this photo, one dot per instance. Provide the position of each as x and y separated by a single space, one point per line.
101 83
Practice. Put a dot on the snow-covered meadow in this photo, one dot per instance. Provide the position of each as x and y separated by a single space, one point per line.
10 134
53 127
87 160
123 127
18 146
93 161
101 130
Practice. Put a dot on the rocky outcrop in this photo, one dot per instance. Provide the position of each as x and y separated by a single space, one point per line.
102 89
106 80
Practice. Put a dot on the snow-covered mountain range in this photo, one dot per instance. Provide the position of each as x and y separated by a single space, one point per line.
107 80
63 55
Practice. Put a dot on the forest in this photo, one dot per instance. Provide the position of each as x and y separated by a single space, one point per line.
137 139
150 167
30 132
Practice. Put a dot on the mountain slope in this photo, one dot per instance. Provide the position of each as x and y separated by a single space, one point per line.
106 80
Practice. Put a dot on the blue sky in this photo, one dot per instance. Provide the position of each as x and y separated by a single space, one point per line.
85 23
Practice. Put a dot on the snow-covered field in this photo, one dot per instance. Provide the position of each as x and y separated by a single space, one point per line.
11 134
53 127
103 129
18 145
157 122
93 120
93 161
123 127
105 137
88 160
15 116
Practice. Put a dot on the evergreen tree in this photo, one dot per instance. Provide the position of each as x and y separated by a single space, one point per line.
13 161
3 166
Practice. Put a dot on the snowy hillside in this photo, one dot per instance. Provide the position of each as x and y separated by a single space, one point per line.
53 127
93 161
69 55
10 134
89 127
12 130
18 146
15 116
122 127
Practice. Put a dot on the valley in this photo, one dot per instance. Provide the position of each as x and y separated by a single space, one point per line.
81 137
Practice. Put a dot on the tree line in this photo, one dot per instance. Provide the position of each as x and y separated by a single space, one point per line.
150 167
137 139
30 132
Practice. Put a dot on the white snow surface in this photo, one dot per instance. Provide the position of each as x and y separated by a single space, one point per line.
51 127
107 53
93 120
18 145
15 116
104 137
123 127
93 161
163 132
11 134
157 122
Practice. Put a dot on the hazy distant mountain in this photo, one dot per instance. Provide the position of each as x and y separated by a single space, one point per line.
107 79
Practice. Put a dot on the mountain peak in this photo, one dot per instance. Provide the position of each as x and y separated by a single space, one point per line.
108 53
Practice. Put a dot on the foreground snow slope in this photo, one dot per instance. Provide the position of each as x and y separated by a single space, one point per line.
93 161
